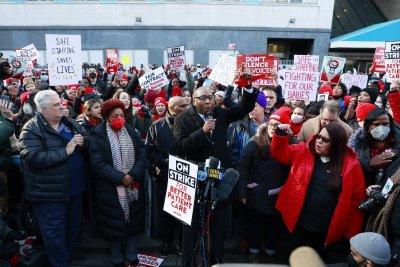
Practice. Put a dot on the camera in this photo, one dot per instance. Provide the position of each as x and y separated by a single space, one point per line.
376 198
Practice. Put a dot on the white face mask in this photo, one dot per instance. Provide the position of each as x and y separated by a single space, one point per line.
380 132
296 118
379 105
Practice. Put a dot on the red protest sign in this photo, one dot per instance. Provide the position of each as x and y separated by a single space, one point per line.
112 60
258 64
378 64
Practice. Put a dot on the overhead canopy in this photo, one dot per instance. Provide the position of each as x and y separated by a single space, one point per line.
369 37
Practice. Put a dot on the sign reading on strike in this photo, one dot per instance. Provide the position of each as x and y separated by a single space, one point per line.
378 64
176 57
332 68
153 80
112 60
299 84
224 70
181 189
352 79
392 60
306 63
149 260
64 58
257 64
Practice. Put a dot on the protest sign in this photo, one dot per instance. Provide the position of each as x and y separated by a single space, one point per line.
32 51
64 57
23 56
299 84
378 64
154 79
149 260
306 63
392 60
176 57
224 70
257 64
18 66
112 60
181 189
358 80
332 68
232 46
323 97
126 59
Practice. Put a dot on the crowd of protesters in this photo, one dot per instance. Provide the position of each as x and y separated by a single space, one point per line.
315 174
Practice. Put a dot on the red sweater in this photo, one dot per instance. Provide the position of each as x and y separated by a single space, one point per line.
347 219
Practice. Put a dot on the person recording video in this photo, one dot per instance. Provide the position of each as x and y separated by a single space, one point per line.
200 132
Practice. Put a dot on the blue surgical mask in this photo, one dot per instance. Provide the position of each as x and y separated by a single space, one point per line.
379 105
44 77
380 133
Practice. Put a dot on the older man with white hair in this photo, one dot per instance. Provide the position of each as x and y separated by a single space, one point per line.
52 147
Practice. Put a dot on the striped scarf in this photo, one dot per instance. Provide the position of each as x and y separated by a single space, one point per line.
123 155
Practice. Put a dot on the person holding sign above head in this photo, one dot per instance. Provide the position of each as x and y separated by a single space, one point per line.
118 159
160 143
201 132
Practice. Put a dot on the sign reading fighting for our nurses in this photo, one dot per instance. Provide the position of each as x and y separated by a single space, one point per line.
154 80
181 189
64 57
392 60
176 57
149 260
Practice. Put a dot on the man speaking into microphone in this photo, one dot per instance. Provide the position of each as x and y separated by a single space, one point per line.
200 132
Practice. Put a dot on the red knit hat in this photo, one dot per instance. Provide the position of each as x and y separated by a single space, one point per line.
176 91
124 77
159 100
73 86
282 115
88 90
24 97
326 89
363 109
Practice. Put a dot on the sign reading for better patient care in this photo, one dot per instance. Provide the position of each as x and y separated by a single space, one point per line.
392 60
154 80
176 57
64 57
181 189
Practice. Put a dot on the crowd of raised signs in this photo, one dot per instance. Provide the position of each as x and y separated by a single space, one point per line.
370 117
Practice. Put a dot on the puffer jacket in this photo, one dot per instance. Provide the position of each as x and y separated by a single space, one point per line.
347 219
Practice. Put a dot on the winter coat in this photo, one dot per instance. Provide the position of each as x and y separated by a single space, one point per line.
313 126
268 173
6 131
109 212
347 219
191 141
46 168
160 143
394 101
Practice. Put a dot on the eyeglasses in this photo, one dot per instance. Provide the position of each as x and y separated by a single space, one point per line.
323 138
205 97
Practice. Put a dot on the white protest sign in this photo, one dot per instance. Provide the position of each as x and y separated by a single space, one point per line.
392 61
358 80
176 57
32 51
23 55
307 63
181 189
149 260
224 70
299 84
323 97
332 68
154 79
64 57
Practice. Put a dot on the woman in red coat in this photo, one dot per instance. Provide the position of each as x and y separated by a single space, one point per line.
319 201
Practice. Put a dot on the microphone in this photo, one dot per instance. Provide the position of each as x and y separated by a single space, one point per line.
226 186
210 117
201 173
212 171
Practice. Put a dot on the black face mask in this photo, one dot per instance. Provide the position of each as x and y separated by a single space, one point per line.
92 75
352 262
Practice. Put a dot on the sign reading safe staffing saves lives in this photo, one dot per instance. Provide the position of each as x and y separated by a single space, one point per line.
181 189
